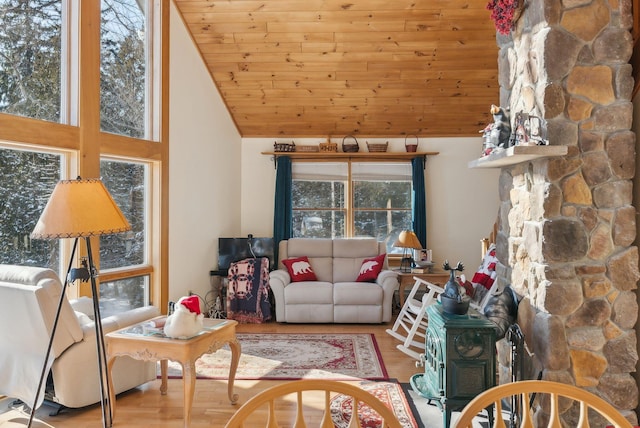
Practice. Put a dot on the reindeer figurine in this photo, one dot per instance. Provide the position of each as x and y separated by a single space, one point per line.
453 302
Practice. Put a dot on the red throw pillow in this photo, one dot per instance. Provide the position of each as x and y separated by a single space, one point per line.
300 269
371 268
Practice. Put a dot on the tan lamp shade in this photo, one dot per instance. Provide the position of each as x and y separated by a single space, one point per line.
80 208
408 239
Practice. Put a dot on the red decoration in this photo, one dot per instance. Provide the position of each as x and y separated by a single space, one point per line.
370 269
505 13
192 303
300 269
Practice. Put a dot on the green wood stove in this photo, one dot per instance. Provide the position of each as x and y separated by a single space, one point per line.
459 361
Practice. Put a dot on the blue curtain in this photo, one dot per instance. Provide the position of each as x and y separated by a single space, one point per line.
283 207
419 200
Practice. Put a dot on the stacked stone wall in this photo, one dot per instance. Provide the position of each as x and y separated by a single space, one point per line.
566 225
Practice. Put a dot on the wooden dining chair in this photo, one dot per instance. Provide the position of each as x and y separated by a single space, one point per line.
554 390
275 399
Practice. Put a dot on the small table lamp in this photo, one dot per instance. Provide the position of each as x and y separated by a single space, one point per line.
81 209
408 241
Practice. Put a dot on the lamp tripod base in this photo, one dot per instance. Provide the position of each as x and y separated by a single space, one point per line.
105 387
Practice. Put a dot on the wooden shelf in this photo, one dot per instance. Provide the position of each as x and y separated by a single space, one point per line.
362 156
517 154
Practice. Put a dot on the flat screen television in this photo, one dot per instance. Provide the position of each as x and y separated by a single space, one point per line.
234 249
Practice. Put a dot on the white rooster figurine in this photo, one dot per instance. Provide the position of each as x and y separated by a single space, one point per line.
186 321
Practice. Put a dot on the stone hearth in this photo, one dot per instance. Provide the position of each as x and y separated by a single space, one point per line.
566 226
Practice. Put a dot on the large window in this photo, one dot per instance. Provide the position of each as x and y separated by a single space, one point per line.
358 199
49 71
30 58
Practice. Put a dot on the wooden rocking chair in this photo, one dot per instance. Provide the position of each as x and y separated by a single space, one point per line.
412 319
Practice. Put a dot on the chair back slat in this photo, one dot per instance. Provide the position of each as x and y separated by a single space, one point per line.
272 421
299 423
499 422
326 419
554 416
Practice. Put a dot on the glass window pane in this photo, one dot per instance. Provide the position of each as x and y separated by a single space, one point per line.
27 178
385 226
123 68
317 194
382 194
123 294
382 210
381 171
318 224
320 171
30 52
126 181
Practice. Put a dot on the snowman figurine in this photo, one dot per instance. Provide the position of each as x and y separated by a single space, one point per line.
186 321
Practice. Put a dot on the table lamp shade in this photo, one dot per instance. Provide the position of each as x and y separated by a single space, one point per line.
80 208
408 239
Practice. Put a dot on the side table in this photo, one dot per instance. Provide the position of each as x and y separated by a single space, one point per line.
135 342
406 280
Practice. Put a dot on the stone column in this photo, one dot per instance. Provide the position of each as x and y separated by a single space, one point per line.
566 225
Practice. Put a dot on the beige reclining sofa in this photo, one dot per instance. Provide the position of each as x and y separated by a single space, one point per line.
335 297
30 297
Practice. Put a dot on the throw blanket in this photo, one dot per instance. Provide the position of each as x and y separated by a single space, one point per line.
248 292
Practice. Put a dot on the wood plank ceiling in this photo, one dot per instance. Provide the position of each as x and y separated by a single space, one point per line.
374 68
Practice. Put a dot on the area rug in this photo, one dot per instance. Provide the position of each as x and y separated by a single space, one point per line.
390 393
340 356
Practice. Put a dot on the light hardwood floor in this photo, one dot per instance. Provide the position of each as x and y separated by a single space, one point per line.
145 407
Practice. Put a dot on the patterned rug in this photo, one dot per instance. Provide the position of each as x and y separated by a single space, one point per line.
390 393
342 356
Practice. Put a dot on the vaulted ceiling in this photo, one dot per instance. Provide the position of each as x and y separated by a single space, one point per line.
375 68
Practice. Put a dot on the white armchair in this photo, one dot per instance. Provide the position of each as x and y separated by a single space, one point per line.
30 296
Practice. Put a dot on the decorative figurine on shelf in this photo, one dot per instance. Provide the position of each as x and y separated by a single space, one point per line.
528 130
496 135
453 301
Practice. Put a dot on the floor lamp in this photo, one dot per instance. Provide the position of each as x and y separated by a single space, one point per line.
81 209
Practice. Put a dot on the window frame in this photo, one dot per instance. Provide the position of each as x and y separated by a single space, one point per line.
349 208
83 142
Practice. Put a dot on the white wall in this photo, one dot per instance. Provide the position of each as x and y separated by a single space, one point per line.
462 203
204 165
